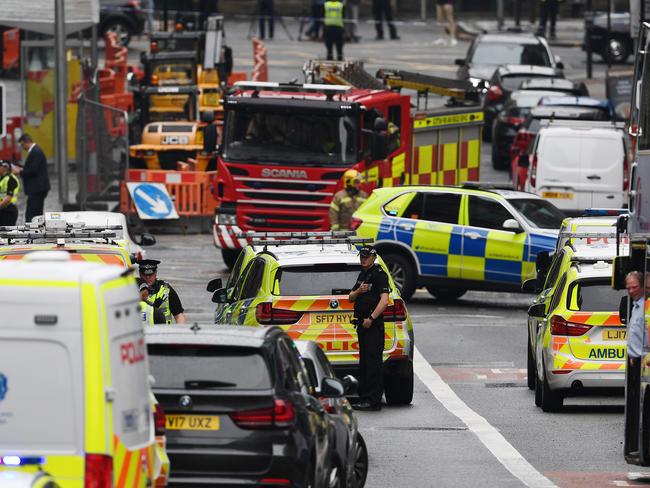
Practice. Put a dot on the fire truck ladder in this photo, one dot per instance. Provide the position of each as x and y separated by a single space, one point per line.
349 73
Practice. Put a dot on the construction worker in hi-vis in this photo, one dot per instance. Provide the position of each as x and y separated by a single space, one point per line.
346 201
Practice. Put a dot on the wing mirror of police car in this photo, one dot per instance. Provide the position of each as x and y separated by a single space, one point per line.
351 385
537 310
220 296
529 285
622 266
147 240
332 388
214 285
459 62
513 225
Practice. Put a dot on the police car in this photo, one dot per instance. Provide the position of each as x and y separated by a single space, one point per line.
303 286
576 338
451 239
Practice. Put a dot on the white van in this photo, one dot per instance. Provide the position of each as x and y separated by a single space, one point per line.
579 167
74 375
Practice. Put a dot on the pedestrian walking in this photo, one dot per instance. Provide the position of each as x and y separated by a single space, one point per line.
9 189
445 18
317 14
370 298
36 181
265 13
334 29
161 294
346 201
548 13
148 9
352 21
381 9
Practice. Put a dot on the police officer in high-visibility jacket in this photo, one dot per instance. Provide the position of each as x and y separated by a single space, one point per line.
346 201
149 314
334 28
162 295
9 189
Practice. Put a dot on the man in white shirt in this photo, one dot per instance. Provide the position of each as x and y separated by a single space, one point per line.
636 324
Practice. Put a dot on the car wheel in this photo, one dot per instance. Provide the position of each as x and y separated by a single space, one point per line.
532 373
120 28
398 382
360 468
446 295
333 479
230 256
618 50
538 392
551 401
403 274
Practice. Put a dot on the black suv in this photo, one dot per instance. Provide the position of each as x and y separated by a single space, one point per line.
123 17
239 407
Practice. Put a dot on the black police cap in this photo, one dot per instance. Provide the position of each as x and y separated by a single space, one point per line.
148 266
366 251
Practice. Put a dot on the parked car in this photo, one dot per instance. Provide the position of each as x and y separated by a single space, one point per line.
490 50
349 448
125 18
620 43
559 85
600 109
504 81
240 408
509 120
580 166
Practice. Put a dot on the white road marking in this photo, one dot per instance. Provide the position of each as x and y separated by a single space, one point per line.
621 483
481 377
497 371
500 448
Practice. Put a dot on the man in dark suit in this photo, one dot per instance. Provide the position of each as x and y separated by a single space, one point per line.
35 179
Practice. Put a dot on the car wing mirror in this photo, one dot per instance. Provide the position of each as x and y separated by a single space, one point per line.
332 388
147 240
537 310
513 225
459 62
529 285
220 296
214 285
350 384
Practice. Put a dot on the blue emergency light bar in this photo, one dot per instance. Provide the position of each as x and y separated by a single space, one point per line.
21 461
604 212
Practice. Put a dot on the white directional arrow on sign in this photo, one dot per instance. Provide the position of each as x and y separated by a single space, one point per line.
158 205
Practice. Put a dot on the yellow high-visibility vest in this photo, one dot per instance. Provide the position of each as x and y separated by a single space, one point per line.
334 14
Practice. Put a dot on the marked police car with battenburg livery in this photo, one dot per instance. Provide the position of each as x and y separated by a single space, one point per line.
302 285
576 338
452 239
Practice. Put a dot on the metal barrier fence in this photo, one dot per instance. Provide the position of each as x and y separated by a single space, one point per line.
102 152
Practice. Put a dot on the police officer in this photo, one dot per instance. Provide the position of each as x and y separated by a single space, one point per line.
334 28
548 12
370 298
9 189
162 295
346 201
150 315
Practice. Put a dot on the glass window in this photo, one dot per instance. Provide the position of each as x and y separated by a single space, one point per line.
253 280
176 366
236 270
295 375
414 209
397 206
554 270
513 82
644 115
594 296
441 207
241 281
326 279
325 363
538 213
557 294
394 127
493 53
311 372
487 213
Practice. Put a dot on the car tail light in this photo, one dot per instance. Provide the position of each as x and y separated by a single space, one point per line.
533 172
626 173
275 482
513 120
355 223
494 93
267 315
280 416
327 404
159 419
99 471
559 326
395 312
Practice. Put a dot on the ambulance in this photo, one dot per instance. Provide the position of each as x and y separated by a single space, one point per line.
75 398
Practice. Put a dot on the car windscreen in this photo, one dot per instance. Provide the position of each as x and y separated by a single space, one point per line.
198 367
590 296
513 82
496 53
538 213
256 134
321 279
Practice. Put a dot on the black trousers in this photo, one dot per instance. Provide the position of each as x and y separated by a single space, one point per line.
334 37
547 12
317 13
8 215
382 9
265 11
632 403
371 364
35 203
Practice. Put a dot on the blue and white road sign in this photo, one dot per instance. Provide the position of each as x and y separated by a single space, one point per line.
152 201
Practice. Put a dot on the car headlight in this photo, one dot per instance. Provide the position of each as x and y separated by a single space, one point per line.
227 219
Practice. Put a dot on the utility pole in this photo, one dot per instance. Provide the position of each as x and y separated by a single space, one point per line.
61 101
589 24
499 14
423 10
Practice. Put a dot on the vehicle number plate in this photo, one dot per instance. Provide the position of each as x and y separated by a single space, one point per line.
332 318
192 422
566 195
614 335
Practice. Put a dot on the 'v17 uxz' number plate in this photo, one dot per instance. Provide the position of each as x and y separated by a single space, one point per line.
192 422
